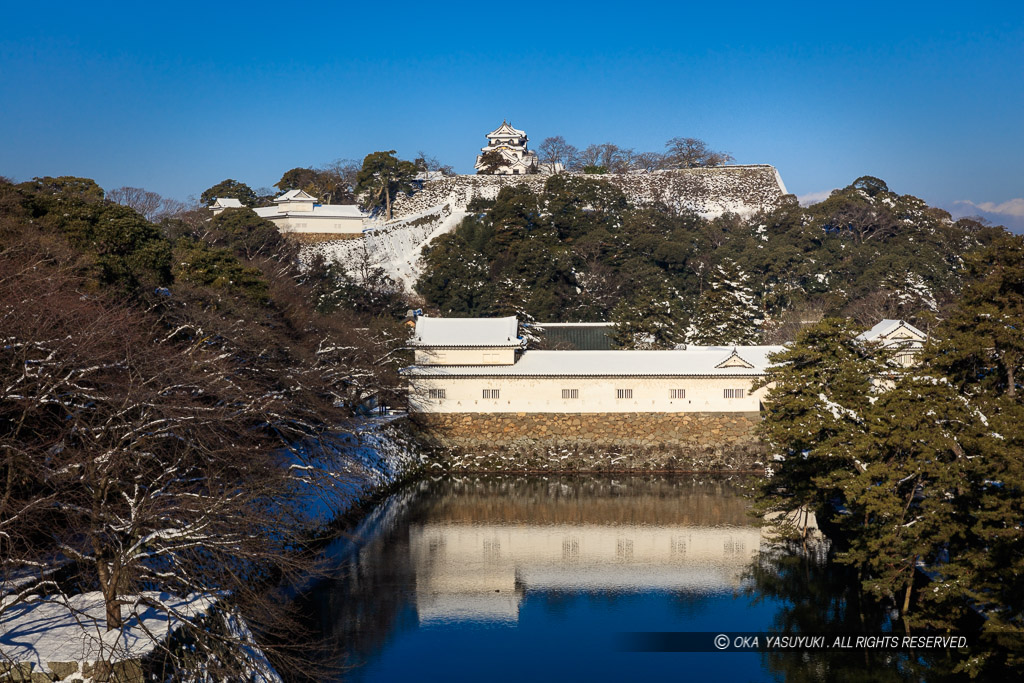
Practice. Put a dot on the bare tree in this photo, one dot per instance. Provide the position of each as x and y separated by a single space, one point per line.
555 150
611 157
338 181
692 153
430 164
142 458
648 161
150 204
145 202
171 208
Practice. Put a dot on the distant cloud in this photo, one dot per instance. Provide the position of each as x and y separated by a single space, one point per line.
1014 207
1009 214
814 197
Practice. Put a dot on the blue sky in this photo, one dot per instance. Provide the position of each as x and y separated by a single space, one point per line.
175 97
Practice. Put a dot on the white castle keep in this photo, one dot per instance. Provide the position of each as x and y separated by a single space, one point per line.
511 144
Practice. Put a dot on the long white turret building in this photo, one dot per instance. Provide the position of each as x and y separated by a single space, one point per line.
474 365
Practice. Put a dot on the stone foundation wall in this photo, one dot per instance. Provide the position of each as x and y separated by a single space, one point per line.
710 192
317 237
595 441
125 671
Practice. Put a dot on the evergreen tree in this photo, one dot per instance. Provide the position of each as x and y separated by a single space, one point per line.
455 279
727 311
820 388
984 337
980 350
652 319
381 178
491 162
229 188
900 501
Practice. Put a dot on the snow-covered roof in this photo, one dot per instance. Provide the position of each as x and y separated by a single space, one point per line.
695 361
505 130
886 329
424 176
226 203
296 196
318 211
467 332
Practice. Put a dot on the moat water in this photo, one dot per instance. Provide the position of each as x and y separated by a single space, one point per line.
517 578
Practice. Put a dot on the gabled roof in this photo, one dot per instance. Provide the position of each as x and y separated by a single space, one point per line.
226 203
467 332
296 196
888 328
735 361
506 130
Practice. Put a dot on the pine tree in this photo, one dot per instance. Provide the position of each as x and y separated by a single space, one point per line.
981 351
819 391
727 311
900 502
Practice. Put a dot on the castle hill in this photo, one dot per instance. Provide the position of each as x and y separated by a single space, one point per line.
683 344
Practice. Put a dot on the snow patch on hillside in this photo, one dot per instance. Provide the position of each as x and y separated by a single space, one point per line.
395 246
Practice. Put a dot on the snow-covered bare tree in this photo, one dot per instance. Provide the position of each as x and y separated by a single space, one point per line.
145 468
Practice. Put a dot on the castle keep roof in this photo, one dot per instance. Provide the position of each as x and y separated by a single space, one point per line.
505 130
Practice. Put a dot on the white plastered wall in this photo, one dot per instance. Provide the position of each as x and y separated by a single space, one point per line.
596 395
319 224
465 356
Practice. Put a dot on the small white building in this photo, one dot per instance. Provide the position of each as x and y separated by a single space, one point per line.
474 365
511 143
299 212
221 203
898 336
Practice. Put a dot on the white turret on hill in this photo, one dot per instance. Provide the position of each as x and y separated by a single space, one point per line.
510 143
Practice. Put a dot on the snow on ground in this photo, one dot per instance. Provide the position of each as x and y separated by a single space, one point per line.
73 629
58 628
350 464
394 246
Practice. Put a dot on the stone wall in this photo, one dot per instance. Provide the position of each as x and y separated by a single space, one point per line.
707 191
124 671
318 237
595 441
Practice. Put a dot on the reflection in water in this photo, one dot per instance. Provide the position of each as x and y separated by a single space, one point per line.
466 571
484 543
816 596
533 578
543 556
